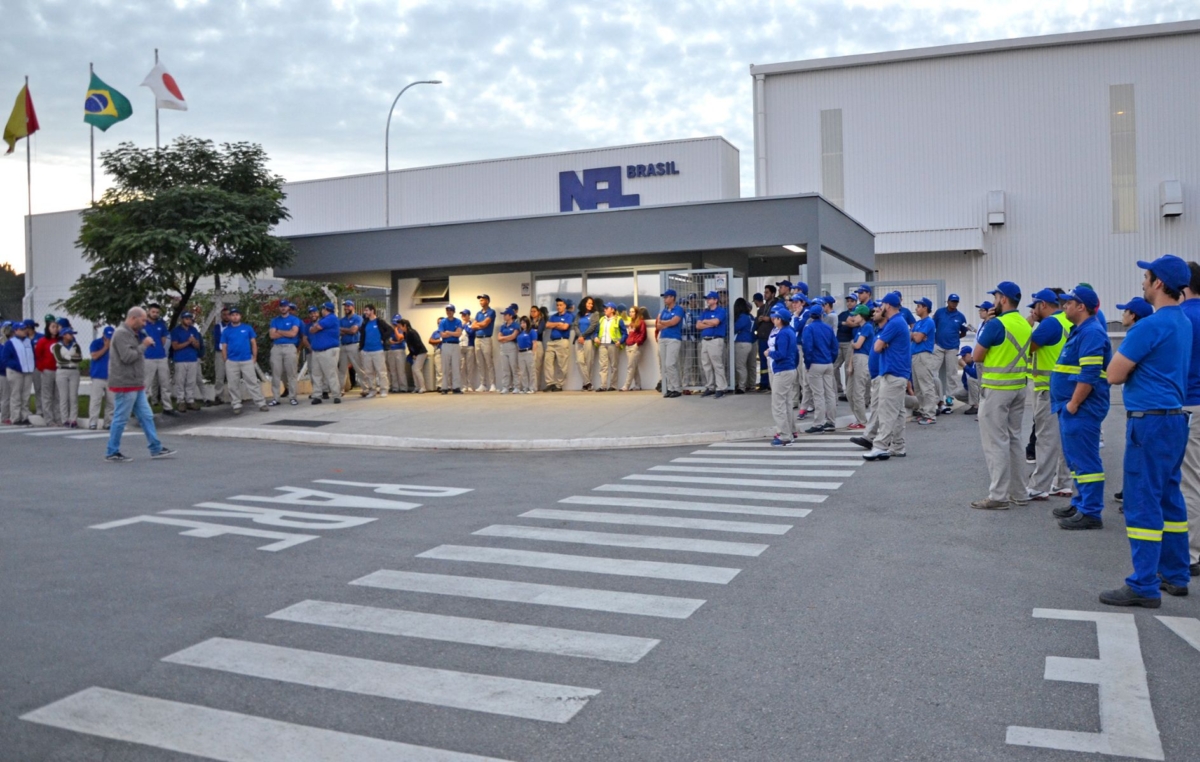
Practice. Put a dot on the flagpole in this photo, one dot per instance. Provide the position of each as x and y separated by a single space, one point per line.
92 72
156 143
29 202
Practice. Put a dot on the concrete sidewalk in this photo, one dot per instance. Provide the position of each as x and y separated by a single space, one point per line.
497 421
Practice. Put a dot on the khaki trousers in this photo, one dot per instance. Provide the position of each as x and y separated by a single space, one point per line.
436 361
467 364
158 383
66 383
243 378
539 366
845 359
608 365
100 396
49 398
712 365
970 395
220 392
947 369
418 372
506 370
783 390
283 370
187 382
485 361
859 382
824 393
668 365
1051 473
323 367
20 386
925 383
451 371
5 402
558 356
397 372
633 374
873 410
1000 414
375 374
585 360
349 357
1190 484
890 435
745 364
525 363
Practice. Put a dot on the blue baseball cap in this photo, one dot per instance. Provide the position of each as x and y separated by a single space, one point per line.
1138 306
483 296
669 292
329 306
611 305
108 331
1170 269
235 311
347 302
985 306
312 309
787 283
924 301
757 297
893 299
1084 296
815 312
864 289
851 297
801 286
779 311
449 308
284 303
63 322
30 324
570 303
1009 289
953 298
965 351
712 295
621 307
796 297
464 312
68 329
187 315
1045 295
397 318
510 312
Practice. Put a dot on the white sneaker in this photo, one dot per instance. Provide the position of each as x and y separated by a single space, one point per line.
382 395
502 391
481 389
493 388
369 395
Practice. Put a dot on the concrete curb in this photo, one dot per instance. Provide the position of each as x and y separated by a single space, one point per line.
412 443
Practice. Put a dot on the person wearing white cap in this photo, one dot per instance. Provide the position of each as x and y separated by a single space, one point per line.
950 325
507 366
67 355
187 347
348 355
98 394
285 342
924 363
484 326
714 327
611 336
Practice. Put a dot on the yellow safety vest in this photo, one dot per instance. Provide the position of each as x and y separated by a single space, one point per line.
1006 365
1045 358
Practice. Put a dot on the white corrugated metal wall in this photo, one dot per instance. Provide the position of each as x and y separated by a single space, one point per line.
925 140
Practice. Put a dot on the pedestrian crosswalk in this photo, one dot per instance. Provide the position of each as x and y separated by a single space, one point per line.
63 433
668 528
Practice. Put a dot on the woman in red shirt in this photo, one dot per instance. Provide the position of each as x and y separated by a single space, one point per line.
43 361
634 338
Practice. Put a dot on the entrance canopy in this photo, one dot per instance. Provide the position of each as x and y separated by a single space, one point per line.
756 237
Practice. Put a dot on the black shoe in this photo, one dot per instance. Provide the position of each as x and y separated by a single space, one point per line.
1120 496
815 430
587 387
456 391
1179 591
1123 596
163 453
1030 455
738 391
315 400
324 395
842 397
337 400
862 442
707 393
171 413
658 387
718 395
1064 512
1195 570
1080 521
673 395
117 457
829 427
973 410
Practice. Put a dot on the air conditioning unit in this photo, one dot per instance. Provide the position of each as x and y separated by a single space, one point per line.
1170 198
995 207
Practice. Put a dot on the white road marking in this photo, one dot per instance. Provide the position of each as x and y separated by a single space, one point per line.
1127 726
91 435
405 490
763 483
718 575
530 700
812 461
52 433
206 530
671 505
612 601
646 542
828 440
785 452
650 489
754 471
476 632
1185 627
321 499
221 735
714 525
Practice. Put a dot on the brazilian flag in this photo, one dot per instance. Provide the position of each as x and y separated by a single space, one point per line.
105 106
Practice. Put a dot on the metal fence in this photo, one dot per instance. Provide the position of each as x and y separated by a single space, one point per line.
691 286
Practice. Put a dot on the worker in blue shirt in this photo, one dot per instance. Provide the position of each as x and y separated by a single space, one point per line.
239 346
904 311
348 353
187 347
950 326
745 342
969 393
558 346
284 333
924 363
324 334
373 338
158 372
668 330
858 376
865 295
782 358
1079 400
396 363
714 327
820 351
526 339
1050 474
507 372
845 337
99 395
220 392
467 354
797 304
484 328
1190 483
451 329
894 345
1153 363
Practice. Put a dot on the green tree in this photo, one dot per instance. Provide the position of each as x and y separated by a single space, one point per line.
175 216
12 290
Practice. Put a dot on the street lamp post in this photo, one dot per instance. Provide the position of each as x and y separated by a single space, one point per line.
387 132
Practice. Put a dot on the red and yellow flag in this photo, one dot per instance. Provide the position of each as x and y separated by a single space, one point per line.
23 122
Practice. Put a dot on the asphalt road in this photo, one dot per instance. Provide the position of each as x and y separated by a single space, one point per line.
890 623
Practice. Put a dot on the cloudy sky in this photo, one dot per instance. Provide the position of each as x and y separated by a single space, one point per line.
311 80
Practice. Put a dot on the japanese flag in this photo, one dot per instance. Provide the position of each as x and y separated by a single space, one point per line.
166 93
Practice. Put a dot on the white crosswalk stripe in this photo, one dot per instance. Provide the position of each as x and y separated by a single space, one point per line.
650 489
477 632
674 505
52 432
785 452
814 461
753 471
612 601
714 525
764 483
718 575
221 735
648 542
530 700
819 443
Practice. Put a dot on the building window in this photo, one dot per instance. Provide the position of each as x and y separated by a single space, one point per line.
833 185
617 288
1123 137
548 288
435 291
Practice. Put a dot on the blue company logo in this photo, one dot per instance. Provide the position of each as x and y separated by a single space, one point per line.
603 186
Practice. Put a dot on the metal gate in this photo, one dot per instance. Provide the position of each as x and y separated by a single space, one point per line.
691 286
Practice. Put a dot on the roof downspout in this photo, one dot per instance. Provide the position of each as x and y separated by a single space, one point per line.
760 136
